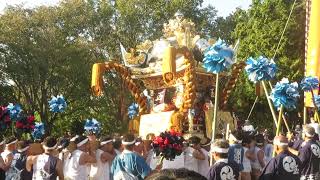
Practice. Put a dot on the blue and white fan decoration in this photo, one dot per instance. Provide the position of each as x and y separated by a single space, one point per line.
285 94
218 58
38 131
92 126
14 111
317 101
260 69
309 83
133 110
57 104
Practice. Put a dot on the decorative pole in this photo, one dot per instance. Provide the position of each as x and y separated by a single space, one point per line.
309 84
274 116
262 69
217 58
284 95
215 112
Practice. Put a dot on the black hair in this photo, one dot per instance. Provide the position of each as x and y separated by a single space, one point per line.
64 143
237 134
259 139
222 144
172 174
128 138
105 138
22 144
50 141
10 139
219 136
195 140
247 139
79 139
117 143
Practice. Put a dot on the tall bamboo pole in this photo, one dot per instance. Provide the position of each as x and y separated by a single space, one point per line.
214 121
304 115
216 98
278 126
270 103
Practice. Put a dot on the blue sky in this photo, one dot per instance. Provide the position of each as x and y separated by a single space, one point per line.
224 7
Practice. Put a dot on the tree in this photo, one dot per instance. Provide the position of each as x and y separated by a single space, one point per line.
259 30
50 50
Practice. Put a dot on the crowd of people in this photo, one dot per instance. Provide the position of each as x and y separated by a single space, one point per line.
244 155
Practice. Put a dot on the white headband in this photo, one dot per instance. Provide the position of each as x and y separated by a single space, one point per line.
308 134
106 142
231 136
24 149
82 142
49 148
1 143
13 142
278 143
128 143
74 138
220 150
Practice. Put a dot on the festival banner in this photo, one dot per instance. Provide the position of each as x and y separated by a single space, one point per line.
312 66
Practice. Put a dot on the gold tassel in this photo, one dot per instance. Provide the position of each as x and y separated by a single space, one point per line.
169 65
96 82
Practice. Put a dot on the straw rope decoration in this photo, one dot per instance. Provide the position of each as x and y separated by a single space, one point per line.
188 92
97 83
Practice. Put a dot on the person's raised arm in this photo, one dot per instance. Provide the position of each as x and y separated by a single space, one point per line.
105 157
2 165
198 154
59 169
260 156
30 162
8 161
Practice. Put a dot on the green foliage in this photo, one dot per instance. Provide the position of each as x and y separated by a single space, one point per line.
259 30
50 51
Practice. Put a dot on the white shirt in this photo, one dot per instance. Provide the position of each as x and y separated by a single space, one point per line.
152 160
203 165
38 168
177 163
100 170
316 127
75 171
191 162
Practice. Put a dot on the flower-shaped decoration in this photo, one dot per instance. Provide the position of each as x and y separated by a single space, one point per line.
57 104
309 83
38 131
168 145
218 57
14 110
317 101
286 94
133 110
92 126
261 69
4 117
26 123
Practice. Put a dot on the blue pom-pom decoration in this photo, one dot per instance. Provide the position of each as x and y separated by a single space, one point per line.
14 111
133 110
57 104
92 126
317 101
261 69
38 131
218 57
309 83
286 94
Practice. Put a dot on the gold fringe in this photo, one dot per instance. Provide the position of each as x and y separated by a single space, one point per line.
98 70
